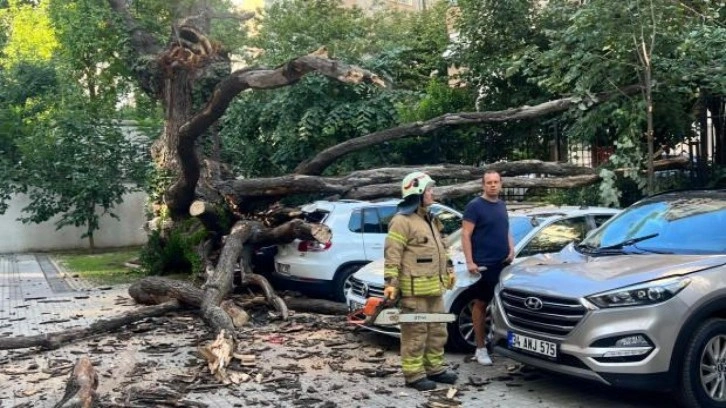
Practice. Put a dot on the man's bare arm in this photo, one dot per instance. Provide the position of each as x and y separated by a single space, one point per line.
467 229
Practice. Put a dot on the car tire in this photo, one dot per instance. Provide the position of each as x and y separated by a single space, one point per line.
461 330
699 361
341 281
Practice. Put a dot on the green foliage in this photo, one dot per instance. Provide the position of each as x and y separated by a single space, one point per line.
22 88
265 134
496 40
65 150
593 47
75 166
159 16
29 33
452 145
91 48
174 252
589 195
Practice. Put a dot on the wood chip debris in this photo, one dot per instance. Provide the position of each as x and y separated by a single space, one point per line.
246 360
442 398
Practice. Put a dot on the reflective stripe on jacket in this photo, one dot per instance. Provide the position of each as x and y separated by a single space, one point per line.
415 254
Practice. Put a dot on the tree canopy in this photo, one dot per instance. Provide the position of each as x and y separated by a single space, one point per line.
505 54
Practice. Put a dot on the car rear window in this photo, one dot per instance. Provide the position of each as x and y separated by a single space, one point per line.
371 220
316 216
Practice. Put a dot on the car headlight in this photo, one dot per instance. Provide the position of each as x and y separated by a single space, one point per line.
640 295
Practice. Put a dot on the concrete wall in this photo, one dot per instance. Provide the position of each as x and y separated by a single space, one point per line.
18 237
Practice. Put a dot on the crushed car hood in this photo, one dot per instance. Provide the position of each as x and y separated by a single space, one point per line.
570 274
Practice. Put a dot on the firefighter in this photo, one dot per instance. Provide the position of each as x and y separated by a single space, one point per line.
418 270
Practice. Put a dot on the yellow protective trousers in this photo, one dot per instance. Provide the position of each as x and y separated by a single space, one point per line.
422 344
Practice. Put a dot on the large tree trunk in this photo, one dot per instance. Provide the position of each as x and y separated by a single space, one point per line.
168 152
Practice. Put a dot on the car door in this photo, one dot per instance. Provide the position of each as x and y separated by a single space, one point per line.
552 237
375 228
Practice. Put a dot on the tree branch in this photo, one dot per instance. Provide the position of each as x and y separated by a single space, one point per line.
322 160
145 46
474 187
263 78
384 182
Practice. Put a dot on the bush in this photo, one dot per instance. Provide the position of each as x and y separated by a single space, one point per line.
173 254
588 195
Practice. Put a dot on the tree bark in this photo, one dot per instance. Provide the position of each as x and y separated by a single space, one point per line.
82 383
364 184
210 215
475 186
383 182
320 306
270 295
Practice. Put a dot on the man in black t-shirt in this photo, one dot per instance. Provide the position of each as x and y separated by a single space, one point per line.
486 242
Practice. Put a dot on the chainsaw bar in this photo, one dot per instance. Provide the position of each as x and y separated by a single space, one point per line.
393 316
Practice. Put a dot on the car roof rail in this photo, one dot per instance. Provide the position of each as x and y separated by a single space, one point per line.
687 189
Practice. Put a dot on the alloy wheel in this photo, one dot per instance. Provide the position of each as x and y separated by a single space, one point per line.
713 368
466 324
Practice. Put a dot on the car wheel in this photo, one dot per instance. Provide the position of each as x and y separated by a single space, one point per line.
461 331
341 283
703 375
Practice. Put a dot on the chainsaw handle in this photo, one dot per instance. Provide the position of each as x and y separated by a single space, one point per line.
388 302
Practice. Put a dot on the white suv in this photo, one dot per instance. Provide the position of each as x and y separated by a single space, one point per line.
359 232
540 230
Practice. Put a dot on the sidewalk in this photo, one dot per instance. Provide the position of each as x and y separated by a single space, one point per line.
35 297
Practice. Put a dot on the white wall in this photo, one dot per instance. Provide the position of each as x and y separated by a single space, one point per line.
18 237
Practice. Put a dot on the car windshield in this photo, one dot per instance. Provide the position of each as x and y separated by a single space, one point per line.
520 225
673 224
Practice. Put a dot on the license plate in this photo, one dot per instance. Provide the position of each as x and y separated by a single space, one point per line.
537 346
283 269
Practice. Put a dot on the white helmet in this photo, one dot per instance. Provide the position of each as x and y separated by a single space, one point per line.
415 183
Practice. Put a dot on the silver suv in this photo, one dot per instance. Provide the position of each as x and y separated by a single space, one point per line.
640 303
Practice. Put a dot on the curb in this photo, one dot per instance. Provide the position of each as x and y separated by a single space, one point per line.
75 283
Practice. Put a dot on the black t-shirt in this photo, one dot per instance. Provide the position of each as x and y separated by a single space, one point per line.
490 239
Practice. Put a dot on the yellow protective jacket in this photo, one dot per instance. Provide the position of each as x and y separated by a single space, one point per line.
415 255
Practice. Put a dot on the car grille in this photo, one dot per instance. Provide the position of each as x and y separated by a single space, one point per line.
365 290
555 315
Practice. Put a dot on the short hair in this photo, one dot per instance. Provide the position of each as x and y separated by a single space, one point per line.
491 171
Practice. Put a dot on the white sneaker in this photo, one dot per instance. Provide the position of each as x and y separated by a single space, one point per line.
482 356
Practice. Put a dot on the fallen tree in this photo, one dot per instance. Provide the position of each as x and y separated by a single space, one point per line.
228 209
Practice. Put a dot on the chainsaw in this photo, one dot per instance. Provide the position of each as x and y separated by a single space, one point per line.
383 312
